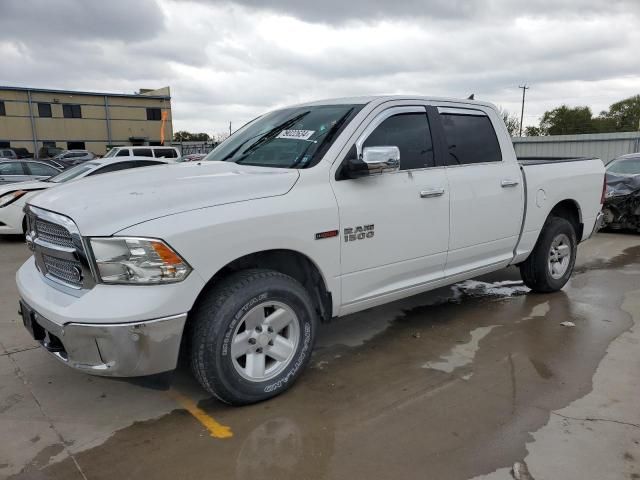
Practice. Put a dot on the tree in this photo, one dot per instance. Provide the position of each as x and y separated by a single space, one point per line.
566 120
184 136
623 116
511 121
532 131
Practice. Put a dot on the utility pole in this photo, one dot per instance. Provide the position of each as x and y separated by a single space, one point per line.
524 91
229 128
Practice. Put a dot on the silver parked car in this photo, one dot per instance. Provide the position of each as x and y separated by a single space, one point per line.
12 171
74 157
7 153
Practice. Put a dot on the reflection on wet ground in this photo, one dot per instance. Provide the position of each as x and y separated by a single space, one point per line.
446 385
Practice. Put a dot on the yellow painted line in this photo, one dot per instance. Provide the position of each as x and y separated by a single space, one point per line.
217 430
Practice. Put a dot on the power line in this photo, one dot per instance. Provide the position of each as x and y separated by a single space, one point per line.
524 88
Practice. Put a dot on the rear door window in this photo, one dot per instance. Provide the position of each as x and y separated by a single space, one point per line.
114 167
142 152
165 153
41 169
11 168
470 138
144 163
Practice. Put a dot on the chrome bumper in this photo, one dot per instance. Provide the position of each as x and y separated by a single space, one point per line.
118 350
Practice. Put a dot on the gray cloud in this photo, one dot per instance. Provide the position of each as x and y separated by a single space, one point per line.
232 61
455 10
44 20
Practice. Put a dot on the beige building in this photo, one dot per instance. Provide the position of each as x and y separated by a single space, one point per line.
34 118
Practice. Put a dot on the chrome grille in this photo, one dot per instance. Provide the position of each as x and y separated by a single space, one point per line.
53 233
68 271
58 248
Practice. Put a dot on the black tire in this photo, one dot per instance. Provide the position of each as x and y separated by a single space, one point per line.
535 270
221 312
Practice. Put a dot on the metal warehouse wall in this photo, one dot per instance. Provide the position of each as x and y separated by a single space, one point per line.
602 145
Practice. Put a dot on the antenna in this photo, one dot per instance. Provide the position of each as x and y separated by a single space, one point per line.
471 97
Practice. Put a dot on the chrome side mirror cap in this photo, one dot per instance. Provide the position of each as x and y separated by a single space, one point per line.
372 161
381 159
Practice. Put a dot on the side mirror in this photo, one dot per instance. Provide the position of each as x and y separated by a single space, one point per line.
372 161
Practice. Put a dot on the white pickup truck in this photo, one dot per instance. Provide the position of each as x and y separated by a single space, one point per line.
304 214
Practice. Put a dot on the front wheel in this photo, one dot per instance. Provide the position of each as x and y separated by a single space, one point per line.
551 262
252 336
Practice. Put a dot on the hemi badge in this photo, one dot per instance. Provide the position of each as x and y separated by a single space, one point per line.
329 234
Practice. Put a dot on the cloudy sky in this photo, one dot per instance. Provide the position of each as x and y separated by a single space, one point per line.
232 60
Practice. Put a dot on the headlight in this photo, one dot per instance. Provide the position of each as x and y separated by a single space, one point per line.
137 261
11 197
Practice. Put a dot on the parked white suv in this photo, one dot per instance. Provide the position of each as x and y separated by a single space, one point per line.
156 152
307 213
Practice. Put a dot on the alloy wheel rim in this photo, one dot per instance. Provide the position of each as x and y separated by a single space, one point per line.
559 256
265 341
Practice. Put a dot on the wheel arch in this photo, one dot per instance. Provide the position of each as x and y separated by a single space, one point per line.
570 210
289 262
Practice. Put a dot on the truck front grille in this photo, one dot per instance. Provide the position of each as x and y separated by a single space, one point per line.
58 248
52 233
68 271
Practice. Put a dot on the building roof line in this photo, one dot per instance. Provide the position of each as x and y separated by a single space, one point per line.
76 92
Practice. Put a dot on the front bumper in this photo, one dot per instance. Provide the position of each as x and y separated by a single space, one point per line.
114 330
119 350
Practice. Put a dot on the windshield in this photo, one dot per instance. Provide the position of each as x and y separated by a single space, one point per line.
625 166
74 172
112 153
289 138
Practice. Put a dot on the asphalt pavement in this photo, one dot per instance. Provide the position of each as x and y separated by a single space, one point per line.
478 380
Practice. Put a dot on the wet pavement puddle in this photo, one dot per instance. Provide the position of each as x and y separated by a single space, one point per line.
446 390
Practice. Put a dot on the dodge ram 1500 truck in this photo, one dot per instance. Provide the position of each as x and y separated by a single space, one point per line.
304 214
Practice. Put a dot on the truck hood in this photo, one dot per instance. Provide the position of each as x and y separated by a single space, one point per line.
106 204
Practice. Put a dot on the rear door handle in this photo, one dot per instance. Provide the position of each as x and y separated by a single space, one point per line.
509 183
434 192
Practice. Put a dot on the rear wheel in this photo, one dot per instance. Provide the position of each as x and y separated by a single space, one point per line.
551 263
252 336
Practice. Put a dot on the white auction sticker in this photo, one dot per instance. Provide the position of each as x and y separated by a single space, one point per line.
296 134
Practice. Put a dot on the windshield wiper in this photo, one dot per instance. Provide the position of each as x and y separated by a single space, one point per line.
270 135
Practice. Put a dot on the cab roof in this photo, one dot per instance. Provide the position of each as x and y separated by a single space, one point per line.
363 100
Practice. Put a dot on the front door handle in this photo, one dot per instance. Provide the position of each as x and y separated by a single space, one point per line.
509 183
434 192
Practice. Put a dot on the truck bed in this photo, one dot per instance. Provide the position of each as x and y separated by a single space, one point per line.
575 179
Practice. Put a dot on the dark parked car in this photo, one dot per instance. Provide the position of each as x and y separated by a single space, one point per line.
15 152
22 152
12 171
622 199
48 151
